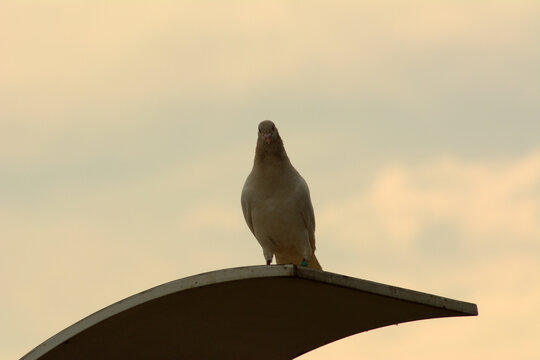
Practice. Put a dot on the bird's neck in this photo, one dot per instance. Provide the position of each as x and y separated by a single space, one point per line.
273 153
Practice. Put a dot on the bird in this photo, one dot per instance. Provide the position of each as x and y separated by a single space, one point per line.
277 204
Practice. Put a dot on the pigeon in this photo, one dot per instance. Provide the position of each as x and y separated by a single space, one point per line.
277 205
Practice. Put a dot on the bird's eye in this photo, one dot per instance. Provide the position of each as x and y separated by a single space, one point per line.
273 128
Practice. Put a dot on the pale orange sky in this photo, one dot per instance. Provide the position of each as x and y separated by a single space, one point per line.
127 130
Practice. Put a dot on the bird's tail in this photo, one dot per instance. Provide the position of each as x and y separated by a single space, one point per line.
314 263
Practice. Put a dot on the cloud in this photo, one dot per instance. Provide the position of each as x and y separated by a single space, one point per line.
490 209
98 74
481 201
116 124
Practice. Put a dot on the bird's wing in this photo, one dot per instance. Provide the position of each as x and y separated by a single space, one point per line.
246 208
306 209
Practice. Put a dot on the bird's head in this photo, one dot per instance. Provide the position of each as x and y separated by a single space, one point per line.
269 143
268 132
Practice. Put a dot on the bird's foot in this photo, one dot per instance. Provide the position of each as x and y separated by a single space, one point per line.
268 262
304 263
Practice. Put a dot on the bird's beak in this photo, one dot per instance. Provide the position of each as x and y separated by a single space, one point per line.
267 137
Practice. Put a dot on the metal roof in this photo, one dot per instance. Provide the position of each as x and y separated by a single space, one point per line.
255 312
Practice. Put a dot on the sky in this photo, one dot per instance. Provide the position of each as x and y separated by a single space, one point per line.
127 129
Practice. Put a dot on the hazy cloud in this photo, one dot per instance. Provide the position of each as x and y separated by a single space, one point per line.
127 130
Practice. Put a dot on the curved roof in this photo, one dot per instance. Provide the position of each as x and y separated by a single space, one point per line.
255 312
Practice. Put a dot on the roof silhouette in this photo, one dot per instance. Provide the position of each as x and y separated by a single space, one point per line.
255 312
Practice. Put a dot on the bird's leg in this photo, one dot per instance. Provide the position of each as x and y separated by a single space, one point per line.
268 255
306 253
